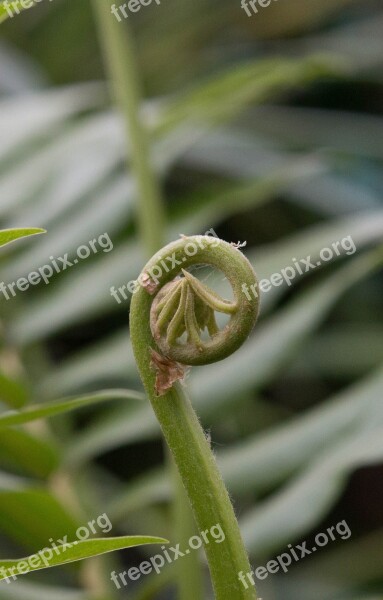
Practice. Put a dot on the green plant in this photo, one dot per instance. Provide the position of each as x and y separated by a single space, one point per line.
164 308
73 551
296 413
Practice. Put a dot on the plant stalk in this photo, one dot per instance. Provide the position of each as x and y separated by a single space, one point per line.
118 48
181 428
189 572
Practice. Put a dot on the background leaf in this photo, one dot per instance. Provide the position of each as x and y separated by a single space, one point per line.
10 235
80 550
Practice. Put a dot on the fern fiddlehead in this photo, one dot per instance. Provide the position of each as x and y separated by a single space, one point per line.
170 310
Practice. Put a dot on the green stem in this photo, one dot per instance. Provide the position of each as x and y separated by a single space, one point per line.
118 47
186 439
189 572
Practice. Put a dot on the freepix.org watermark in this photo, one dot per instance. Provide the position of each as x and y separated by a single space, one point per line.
300 267
285 560
57 265
251 6
166 265
14 7
42 558
169 555
132 6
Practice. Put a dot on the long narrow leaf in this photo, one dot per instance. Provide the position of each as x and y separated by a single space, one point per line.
41 411
10 235
303 503
72 552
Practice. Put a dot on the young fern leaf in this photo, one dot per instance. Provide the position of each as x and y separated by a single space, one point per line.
169 312
186 306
